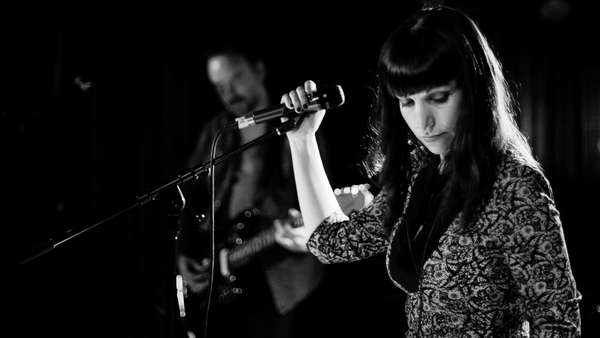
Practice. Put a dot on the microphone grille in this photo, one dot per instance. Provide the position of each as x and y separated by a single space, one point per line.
331 96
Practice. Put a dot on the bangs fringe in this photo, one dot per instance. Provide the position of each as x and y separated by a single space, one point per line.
417 65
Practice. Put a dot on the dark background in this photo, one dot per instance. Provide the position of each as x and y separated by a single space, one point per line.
104 103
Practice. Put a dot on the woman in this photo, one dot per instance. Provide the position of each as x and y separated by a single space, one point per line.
465 215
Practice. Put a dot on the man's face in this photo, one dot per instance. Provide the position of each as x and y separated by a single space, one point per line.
239 84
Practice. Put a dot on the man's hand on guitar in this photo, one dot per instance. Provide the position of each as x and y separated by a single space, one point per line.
291 233
194 274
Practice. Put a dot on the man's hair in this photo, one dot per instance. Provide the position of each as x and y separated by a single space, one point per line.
234 43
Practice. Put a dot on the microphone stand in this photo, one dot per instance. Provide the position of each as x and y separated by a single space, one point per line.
174 209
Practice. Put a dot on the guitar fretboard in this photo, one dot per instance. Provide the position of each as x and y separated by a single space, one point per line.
241 254
349 198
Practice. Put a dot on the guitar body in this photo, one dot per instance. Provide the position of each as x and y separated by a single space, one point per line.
225 283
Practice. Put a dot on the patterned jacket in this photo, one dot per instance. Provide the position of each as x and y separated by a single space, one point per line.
507 276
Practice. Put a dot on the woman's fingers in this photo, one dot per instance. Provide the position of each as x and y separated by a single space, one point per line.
299 99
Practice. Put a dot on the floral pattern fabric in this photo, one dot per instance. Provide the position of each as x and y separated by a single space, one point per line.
507 276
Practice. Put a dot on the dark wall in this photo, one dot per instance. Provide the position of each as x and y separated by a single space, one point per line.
105 103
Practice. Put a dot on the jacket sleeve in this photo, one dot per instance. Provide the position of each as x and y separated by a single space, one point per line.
341 238
538 260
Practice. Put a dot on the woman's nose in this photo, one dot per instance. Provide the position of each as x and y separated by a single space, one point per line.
424 118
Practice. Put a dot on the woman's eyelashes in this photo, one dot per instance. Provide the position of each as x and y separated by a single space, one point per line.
437 98
406 103
440 97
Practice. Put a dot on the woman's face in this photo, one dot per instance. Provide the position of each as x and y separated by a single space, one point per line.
432 115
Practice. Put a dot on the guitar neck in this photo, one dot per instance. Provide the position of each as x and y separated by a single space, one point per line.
349 198
242 254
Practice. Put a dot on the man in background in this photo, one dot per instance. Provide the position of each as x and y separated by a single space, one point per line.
259 180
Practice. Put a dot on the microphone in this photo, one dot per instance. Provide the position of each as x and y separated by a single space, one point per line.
328 97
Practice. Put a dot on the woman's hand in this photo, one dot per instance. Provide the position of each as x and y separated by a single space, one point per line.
299 100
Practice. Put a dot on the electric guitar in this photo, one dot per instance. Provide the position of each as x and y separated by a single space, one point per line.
237 250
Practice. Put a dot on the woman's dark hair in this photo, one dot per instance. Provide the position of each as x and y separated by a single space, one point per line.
431 48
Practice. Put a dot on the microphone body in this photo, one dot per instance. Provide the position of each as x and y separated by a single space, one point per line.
327 98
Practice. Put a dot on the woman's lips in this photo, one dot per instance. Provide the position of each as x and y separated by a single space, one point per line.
431 137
